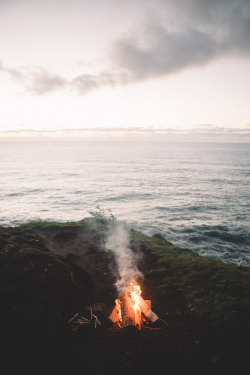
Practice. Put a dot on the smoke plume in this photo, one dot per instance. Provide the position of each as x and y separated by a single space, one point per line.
118 241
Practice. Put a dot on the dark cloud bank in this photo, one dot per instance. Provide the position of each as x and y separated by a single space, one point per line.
186 33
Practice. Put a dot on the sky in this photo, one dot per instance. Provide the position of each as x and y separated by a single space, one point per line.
125 69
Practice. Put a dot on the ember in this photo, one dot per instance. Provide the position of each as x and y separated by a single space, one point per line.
132 309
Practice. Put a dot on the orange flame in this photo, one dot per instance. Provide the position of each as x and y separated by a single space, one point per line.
135 293
139 307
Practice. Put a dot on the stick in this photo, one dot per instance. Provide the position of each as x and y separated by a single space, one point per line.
163 321
73 318
96 319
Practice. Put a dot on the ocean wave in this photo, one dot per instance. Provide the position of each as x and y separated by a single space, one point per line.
19 194
227 233
128 197
24 192
192 195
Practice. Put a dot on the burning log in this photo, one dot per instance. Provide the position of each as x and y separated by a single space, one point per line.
115 316
130 307
127 310
147 310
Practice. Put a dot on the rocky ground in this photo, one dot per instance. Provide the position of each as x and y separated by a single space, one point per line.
51 271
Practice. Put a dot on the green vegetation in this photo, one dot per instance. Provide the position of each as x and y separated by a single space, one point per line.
53 225
98 222
101 215
215 291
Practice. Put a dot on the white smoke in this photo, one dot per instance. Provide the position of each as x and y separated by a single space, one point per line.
118 241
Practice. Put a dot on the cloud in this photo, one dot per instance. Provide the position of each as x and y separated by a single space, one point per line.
202 133
35 80
176 35
40 81
87 82
14 73
199 32
185 34
169 53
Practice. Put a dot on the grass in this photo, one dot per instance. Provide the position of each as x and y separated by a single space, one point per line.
213 290
53 225
97 225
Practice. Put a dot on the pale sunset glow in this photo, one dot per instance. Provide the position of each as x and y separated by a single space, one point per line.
168 70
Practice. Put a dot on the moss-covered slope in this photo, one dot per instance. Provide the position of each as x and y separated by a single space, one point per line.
50 271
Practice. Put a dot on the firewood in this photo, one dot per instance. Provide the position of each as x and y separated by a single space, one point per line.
95 317
69 321
115 316
125 313
127 310
84 319
146 310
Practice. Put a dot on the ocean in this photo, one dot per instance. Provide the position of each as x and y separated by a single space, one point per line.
196 195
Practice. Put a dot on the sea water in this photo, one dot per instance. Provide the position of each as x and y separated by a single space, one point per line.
196 195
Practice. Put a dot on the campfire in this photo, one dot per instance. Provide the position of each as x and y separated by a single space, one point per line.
132 309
